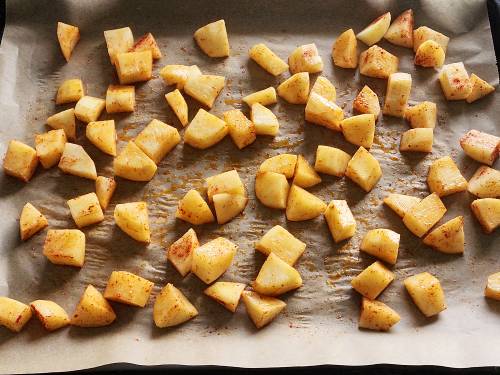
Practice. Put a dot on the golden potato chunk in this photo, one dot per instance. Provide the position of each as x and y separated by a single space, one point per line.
228 206
180 253
31 221
305 58
212 259
485 183
64 120
377 316
422 115
359 130
86 210
422 216
444 177
372 280
376 62
448 237
193 209
127 288
345 50
14 314
267 59
305 176
426 292
381 243
364 169
487 212
400 32
89 109
76 161
400 203
226 293
134 67
212 39
102 134
226 182
481 146
271 189
65 247
20 161
178 104
262 310
263 97
51 315
157 139
68 36
118 41
205 130
264 120
147 42
276 277
455 81
172 308
323 112
204 88
376 30
179 74
132 218
295 90
284 164
480 88
120 99
429 55
133 164
104 189
398 92
492 289
331 160
282 243
417 140
302 205
340 220
93 310
241 129
50 146
70 91
325 88
424 33
367 102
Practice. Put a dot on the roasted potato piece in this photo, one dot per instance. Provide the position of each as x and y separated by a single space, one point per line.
127 288
147 42
284 164
376 315
423 215
132 218
65 247
372 280
172 308
157 139
267 59
485 183
295 90
179 74
93 310
241 129
324 88
340 220
228 206
345 50
424 33
180 253
134 67
133 164
118 41
102 134
401 203
64 120
193 209
323 112
305 176
444 177
50 146
31 221
276 277
89 108
68 36
479 89
178 104
376 62
14 314
264 120
492 289
417 140
86 210
204 88
226 182
120 99
487 212
263 97
70 91
212 39
305 58
205 130
271 189
359 130
281 242
262 309
422 115
51 315
398 92
212 259
481 146
448 237
74 160
364 169
381 243
331 160
400 32
429 55
376 30
302 205
226 293
104 189
455 81
20 161
367 102
426 291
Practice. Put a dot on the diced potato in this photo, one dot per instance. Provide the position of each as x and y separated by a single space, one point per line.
481 146
367 102
479 89
283 163
400 32
68 36
241 129
193 209
212 259
449 237
485 183
120 99
262 309
51 315
305 176
455 81
118 41
417 140
263 97
205 130
204 88
264 120
340 220
172 308
492 289
226 182
228 206
85 210
376 30
377 316
104 189
429 55
424 33
302 205
422 216
444 177
398 92
31 221
359 130
401 203
381 243
267 59
376 62
426 292
305 58
157 139
93 310
422 115
276 277
226 293
133 164
487 212
325 88
179 74
89 109
180 253
125 287
64 120
50 146
212 39
20 161
70 91
65 247
132 218
134 67
147 42
373 280
345 50
295 90
282 243
14 314
102 134
331 160
364 169
76 161
323 112
178 104
271 189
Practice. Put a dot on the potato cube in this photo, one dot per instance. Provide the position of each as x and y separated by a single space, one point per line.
104 189
282 243
204 88
226 293
367 102
64 120
147 42
417 140
449 237
376 30
226 182
364 169
120 99
241 129
487 212
323 112
283 163
133 164
331 160
267 59
102 134
68 36
485 183
444 177
51 315
65 247
422 115
401 203
262 309
212 259
74 160
157 139
376 62
212 39
193 209
263 97
180 253
429 55
127 288
305 58
132 218
381 243
424 33
179 74
134 67
178 104
345 50
205 130
305 176
228 206
264 120
455 81
398 92
14 314
423 215
271 189
480 88
172 308
373 280
400 32
295 90
86 210
276 277
118 41
481 146
89 109
426 292
302 205
359 130
50 146
325 88
93 310
377 316
31 221
492 289
340 220
70 91
20 161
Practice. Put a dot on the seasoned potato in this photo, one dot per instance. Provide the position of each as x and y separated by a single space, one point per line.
331 160
51 315
93 310
205 130
276 277
485 183
226 293
118 41
422 216
68 36
180 253
147 42
340 220
228 206
157 139
481 146
373 280
212 39
20 161
417 140
204 88
305 176
429 55
302 205
226 182
102 134
241 129
132 218
401 203
212 259
282 243
271 189
283 163
381 243
323 112
31 221
364 169
74 160
359 130
70 91
295 90
134 67
267 59
367 102
376 30
85 210
125 287
262 309
444 177
398 92
264 120
179 74
89 108
426 291
65 247
14 314
487 212
345 50
263 97
178 104
424 33
449 237
120 99
479 89
492 289
376 62
305 58
325 88
64 120
172 308
193 209
133 164
400 32
104 189
422 115
455 81
49 147
376 315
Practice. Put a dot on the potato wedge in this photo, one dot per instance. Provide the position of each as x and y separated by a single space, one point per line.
455 81
381 243
157 139
424 33
429 55
127 288
193 209
20 161
178 104
276 277
340 220
426 292
102 134
204 88
179 74
479 89
264 120
104 189
324 88
359 130
364 169
372 280
302 205
295 90
271 189
93 310
492 289
226 182
400 32
212 259
226 293
417 140
444 177
367 102
262 310
485 183
51 315
422 115
132 218
132 67
14 314
31 221
376 30
70 91
120 99
331 160
448 237
205 130
85 210
305 58
228 206
323 112
345 50
49 147
282 243
133 164
422 216
305 176
487 212
212 39
172 308
65 247
118 41
267 59
64 120
376 62
400 203
263 97
241 129
74 160
180 253
376 315
481 146
68 36
147 42
398 92
283 163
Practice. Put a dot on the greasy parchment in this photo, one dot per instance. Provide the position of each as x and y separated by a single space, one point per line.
320 322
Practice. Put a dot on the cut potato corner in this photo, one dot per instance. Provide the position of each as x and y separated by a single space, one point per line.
429 55
85 210
157 139
50 146
179 74
263 97
295 90
323 112
226 182
481 146
305 58
426 292
88 108
398 92
65 247
176 101
376 30
492 289
400 32
305 176
212 259
376 62
377 316
93 310
228 206
120 99
133 164
241 129
364 169
325 88
14 314
64 120
340 220
76 161
20 161
400 203
302 205
381 243
487 212
226 293
272 189
204 88
172 308
359 130
127 288
417 140
205 130
118 41
422 115
132 67
31 221
422 216
424 33
367 102
372 280
282 243
212 39
448 238
283 163
51 315
70 91
276 277
193 209
68 36
102 134
262 310
345 50
147 42
480 88
132 218
485 183
331 160
104 189
180 253
444 177
455 81
267 59
264 120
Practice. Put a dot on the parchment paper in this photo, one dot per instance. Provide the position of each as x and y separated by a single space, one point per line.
320 322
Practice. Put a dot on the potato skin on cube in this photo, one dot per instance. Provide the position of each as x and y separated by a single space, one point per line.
376 30
272 189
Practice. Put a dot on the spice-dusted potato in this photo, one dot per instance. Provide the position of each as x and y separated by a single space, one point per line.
262 309
31 221
479 89
417 140
157 139
400 32
481 146
205 130
276 277
64 120
86 210
376 315
118 41
74 160
492 289
241 129
50 146
264 120
429 55
359 130
68 36
172 308
381 243
485 183
331 160
20 161
226 293
422 216
367 102
134 67
179 74
426 291
70 91
340 220
444 177
305 58
345 50
271 189
212 39
376 30
283 163
89 108
120 99
193 209
263 97
422 115
424 33
325 88
376 62
302 205
448 237
204 88
104 189
178 104
180 253
323 112
93 310
400 203
14 314
51 315
212 259
372 280
455 81
364 169
226 182
102 134
305 176
147 42
398 92
282 243
267 59
228 206
487 212
132 218
295 90
65 247
125 287
133 164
